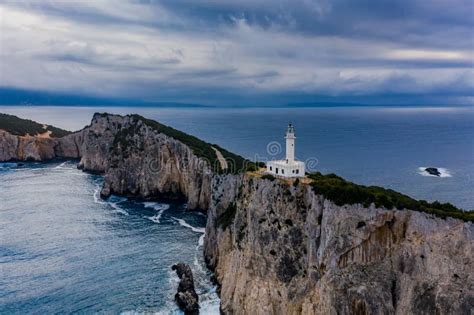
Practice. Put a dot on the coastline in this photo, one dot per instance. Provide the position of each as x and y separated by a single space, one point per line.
142 158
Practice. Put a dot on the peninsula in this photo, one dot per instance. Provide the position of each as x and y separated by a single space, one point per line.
317 244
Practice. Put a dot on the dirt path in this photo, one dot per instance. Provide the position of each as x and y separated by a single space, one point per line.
221 159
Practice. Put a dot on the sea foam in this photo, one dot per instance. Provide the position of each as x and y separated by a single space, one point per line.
443 172
160 207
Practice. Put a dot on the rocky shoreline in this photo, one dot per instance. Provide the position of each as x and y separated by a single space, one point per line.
275 247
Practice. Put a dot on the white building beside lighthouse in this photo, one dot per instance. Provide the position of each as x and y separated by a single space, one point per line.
289 167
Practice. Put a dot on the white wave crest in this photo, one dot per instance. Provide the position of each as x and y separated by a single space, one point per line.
96 195
60 165
156 205
160 207
209 304
187 225
114 202
443 172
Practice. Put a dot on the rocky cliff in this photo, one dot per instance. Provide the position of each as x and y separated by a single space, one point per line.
280 249
36 148
26 140
136 156
138 160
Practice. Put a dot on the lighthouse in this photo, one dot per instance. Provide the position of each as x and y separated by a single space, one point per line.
289 167
290 143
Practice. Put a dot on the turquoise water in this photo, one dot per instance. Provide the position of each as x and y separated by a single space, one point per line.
63 250
383 146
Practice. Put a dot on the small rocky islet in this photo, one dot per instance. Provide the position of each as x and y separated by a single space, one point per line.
186 297
433 171
323 245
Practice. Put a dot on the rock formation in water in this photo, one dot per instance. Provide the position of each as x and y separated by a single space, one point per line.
280 249
186 297
433 171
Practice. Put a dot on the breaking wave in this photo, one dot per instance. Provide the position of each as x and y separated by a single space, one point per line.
209 301
187 225
160 207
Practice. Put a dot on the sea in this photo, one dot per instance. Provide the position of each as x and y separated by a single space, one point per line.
64 250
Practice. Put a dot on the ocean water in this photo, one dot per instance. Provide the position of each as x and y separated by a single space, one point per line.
383 146
64 250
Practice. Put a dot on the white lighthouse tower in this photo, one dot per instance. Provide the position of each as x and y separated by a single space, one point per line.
289 167
290 143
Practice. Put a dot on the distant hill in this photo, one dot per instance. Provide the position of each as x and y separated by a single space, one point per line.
13 96
20 127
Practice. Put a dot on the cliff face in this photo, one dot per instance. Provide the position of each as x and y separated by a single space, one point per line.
134 157
279 249
36 148
138 160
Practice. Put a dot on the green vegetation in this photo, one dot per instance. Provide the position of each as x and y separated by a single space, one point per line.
227 217
20 127
202 149
123 137
296 182
270 177
342 192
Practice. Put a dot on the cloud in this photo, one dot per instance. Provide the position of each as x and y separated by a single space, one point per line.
224 52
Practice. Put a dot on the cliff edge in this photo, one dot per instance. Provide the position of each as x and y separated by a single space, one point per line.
278 248
322 245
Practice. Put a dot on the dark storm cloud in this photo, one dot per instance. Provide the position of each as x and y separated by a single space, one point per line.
248 51
409 21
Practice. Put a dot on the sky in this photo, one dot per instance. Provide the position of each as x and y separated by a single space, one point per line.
245 52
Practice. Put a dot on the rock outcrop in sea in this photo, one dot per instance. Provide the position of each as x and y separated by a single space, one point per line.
186 297
276 247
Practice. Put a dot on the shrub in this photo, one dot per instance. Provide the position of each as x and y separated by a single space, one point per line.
343 192
270 177
20 127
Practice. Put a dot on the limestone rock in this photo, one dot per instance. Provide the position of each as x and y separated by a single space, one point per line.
8 146
186 297
286 250
135 159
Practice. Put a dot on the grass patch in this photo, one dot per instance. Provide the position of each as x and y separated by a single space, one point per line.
20 127
343 192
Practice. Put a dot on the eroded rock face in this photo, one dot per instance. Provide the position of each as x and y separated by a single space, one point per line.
8 146
38 148
287 250
279 249
26 148
135 159
186 297
139 161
